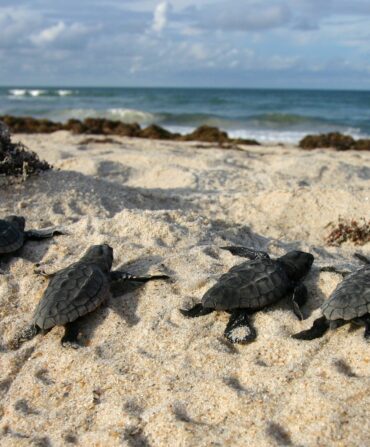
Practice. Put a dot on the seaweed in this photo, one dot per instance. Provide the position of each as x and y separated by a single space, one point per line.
16 160
356 231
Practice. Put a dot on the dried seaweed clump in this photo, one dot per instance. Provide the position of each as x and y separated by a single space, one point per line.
354 231
102 126
334 140
15 160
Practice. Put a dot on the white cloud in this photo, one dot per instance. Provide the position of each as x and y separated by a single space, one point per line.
49 34
16 24
61 33
160 17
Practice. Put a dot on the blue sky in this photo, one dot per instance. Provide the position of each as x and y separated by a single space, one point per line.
231 43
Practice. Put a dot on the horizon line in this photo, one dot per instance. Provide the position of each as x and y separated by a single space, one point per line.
182 87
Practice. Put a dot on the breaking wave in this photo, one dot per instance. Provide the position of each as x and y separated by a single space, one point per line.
18 92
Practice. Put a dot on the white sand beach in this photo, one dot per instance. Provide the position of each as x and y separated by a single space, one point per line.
147 376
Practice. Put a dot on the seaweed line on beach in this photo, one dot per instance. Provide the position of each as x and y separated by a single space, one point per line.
16 160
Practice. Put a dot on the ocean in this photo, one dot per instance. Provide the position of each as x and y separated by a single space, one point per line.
264 114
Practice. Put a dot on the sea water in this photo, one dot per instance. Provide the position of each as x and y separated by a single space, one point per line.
264 114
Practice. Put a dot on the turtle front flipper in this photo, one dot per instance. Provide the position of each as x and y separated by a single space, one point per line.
362 258
245 252
70 337
197 311
239 328
299 298
366 320
318 329
124 276
43 233
25 335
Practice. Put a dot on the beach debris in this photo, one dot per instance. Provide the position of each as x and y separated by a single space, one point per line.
74 292
102 126
253 285
356 231
350 301
15 159
13 234
334 140
92 140
207 134
155 132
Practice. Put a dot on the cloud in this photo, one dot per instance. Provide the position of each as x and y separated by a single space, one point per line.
216 41
62 35
48 35
160 17
15 25
243 16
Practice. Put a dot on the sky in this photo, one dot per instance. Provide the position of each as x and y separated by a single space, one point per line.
205 43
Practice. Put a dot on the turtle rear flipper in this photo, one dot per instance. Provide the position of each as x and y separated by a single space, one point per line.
245 252
70 337
26 334
239 328
44 233
318 329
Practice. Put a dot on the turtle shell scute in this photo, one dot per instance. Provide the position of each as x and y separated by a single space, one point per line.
71 293
351 297
251 285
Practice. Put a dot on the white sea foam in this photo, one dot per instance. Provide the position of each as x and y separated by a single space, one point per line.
132 116
124 115
17 92
65 92
36 92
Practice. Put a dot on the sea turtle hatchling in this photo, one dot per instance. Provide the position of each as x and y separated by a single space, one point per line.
253 285
75 291
13 234
350 301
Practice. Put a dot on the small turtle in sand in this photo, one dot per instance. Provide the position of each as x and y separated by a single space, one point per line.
13 235
350 301
253 285
75 291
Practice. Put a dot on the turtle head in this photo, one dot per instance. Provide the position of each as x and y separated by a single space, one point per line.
100 254
18 221
297 264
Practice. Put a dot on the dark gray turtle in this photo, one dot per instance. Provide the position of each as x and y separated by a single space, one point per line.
253 285
75 291
13 234
350 301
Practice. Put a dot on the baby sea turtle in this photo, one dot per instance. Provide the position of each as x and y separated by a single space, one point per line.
13 235
253 285
350 301
75 291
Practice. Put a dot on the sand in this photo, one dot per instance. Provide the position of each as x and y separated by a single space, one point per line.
147 376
